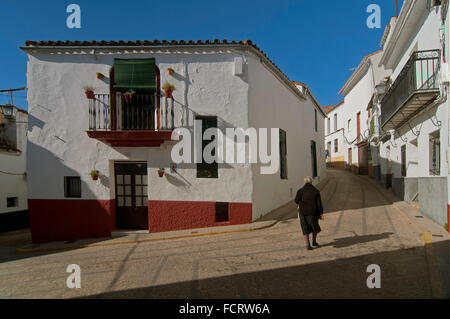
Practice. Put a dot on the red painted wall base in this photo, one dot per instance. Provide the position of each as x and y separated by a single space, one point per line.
62 220
178 215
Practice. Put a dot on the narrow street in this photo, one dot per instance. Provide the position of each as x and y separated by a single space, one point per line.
363 225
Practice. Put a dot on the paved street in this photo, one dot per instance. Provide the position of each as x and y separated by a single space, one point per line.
362 226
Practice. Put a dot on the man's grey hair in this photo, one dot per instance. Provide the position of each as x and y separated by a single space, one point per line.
307 180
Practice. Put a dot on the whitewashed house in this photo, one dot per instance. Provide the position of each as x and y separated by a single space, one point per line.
414 112
223 84
13 154
335 137
349 128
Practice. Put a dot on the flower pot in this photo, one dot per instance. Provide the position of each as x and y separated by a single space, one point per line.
160 173
89 95
168 94
95 177
171 71
100 76
128 98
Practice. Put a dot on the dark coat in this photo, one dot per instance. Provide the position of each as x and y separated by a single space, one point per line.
309 201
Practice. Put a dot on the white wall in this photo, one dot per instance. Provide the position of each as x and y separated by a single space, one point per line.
59 145
273 105
14 184
336 134
425 37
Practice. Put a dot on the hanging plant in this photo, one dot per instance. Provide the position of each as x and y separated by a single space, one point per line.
171 71
100 76
89 91
128 96
94 175
161 172
168 89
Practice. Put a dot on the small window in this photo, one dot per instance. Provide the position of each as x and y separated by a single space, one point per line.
283 155
349 126
328 126
72 187
403 154
315 120
335 123
206 170
336 146
12 202
435 154
313 159
222 212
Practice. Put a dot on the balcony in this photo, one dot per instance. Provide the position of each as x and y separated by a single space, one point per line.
415 88
140 122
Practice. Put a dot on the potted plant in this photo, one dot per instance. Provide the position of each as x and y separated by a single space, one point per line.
94 175
100 76
171 71
168 89
89 91
161 172
128 96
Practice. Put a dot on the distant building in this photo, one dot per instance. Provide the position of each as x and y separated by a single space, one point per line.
13 154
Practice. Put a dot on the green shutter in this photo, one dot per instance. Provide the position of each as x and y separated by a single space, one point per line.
134 74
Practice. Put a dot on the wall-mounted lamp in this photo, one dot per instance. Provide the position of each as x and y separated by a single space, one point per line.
8 110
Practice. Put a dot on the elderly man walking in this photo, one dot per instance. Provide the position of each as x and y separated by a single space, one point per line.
309 210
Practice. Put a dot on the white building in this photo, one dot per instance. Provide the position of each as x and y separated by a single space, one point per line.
415 110
348 129
224 84
13 185
334 137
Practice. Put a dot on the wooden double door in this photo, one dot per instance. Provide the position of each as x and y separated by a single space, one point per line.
131 195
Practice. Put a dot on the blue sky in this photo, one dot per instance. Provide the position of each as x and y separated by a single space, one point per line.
316 42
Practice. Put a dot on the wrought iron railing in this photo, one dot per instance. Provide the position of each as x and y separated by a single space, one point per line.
139 113
418 75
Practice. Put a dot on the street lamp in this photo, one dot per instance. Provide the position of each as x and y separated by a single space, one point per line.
8 110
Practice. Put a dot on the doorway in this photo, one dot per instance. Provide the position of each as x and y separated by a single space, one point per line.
350 160
363 161
131 195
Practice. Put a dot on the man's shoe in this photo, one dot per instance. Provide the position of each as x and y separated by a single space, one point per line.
309 248
315 244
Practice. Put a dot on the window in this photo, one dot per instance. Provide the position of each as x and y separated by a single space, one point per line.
435 154
222 212
358 126
283 155
335 123
403 154
329 148
206 170
313 159
349 126
315 120
12 202
336 146
328 126
72 187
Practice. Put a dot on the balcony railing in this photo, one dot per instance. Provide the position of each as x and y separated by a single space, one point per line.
139 114
414 88
142 113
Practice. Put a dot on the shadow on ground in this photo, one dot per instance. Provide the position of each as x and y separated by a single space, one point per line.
404 274
11 241
341 190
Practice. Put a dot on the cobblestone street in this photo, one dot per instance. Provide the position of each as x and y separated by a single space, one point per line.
363 225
